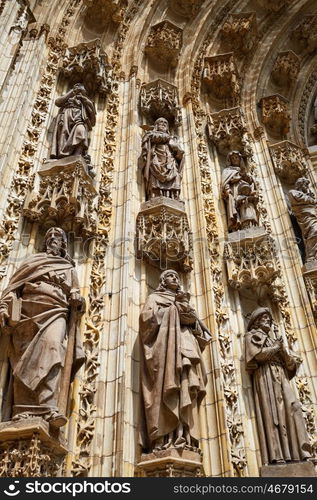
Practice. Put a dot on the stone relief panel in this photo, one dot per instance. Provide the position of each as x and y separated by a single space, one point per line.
239 32
160 98
286 68
288 160
164 44
275 115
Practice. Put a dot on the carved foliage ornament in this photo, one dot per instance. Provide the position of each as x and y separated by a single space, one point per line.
164 43
221 76
226 129
289 160
239 32
286 68
160 98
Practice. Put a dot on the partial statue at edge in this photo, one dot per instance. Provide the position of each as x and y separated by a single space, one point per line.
173 376
76 117
281 427
239 192
39 311
162 162
304 207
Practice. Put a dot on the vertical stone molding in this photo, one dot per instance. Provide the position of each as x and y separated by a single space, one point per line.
275 115
286 68
221 76
239 32
227 129
160 98
164 44
288 160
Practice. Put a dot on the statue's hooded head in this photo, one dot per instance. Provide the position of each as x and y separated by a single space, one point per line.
235 159
161 125
79 87
302 184
169 280
55 242
258 316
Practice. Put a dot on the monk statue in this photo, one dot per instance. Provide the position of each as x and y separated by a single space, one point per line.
39 311
304 207
281 427
173 376
76 117
162 162
239 193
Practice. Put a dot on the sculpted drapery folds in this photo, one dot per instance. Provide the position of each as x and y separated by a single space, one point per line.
35 311
173 376
77 116
281 428
162 162
303 203
239 192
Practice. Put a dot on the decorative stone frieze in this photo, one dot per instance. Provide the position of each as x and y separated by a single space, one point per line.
226 129
186 8
305 33
286 68
163 236
239 32
29 448
164 44
275 115
100 13
173 462
160 98
250 260
273 5
289 160
64 198
87 63
221 76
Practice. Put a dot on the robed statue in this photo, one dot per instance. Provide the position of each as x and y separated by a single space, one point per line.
161 162
173 376
281 427
39 311
76 117
304 207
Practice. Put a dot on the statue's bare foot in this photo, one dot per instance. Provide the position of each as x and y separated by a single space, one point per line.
180 442
57 420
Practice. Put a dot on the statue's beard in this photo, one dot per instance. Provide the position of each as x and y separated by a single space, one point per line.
54 250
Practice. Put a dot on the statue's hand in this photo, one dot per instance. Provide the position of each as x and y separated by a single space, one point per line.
4 316
77 301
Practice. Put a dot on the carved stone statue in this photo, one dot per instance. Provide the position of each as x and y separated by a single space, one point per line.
281 427
39 311
162 162
77 115
173 377
239 192
303 203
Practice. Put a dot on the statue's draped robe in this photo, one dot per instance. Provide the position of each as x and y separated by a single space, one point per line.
38 342
173 376
162 164
73 121
280 423
231 177
305 211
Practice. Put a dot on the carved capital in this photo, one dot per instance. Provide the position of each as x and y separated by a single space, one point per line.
160 98
286 68
289 160
221 76
239 32
164 44
87 63
275 115
226 129
163 236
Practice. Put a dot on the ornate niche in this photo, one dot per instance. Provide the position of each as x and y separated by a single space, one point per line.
305 34
87 63
275 115
100 13
160 98
286 68
250 261
239 32
64 198
163 236
186 8
164 44
226 129
289 161
221 77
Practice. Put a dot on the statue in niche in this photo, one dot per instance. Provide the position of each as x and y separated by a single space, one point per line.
303 203
162 162
239 193
173 376
281 427
39 311
76 117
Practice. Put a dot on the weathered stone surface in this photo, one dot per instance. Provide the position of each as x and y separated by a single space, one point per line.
171 463
300 469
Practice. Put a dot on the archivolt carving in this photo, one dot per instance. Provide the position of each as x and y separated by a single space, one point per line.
289 160
164 43
239 32
286 68
275 115
221 77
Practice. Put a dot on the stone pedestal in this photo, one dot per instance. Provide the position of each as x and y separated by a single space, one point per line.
30 448
172 462
64 197
295 469
163 236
